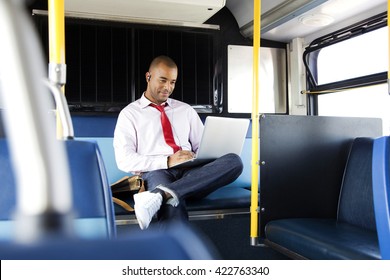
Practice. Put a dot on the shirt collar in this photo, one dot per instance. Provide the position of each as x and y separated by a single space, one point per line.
144 102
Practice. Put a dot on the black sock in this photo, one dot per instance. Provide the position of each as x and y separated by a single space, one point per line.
164 196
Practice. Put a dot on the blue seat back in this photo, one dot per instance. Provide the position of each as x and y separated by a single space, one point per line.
7 183
356 199
94 126
92 200
178 242
107 151
244 180
91 191
381 189
100 129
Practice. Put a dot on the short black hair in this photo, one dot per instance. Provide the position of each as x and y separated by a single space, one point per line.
162 59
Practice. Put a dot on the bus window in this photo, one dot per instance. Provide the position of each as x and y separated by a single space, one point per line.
371 101
348 72
360 56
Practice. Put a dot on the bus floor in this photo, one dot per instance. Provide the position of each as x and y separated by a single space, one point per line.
230 237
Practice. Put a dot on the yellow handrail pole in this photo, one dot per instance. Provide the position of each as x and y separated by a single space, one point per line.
388 30
57 66
255 125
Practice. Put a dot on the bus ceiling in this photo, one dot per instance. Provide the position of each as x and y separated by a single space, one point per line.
282 20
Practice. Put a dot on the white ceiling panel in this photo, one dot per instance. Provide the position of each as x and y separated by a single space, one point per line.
192 11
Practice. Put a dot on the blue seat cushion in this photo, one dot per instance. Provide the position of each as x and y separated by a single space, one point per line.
223 198
323 239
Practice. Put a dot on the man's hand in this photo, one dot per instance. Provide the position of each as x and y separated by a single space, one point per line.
179 157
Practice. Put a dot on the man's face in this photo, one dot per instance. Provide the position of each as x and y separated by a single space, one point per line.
161 83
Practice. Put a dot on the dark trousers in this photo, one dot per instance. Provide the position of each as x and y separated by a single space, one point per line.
193 183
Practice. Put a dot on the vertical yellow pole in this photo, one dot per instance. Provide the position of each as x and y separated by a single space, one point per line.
388 30
255 124
57 66
56 31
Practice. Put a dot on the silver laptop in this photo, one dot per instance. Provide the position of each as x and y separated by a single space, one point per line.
221 136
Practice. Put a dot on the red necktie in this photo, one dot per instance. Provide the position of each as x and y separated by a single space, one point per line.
167 128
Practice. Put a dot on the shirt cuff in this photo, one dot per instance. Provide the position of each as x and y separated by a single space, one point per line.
160 163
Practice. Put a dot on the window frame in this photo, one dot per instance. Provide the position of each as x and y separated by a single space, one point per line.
310 56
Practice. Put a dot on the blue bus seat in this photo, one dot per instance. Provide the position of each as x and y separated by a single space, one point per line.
91 191
178 242
233 196
92 200
350 235
381 190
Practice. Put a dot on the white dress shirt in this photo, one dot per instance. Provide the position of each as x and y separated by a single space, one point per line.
139 142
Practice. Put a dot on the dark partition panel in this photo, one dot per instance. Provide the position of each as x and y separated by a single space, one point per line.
302 163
